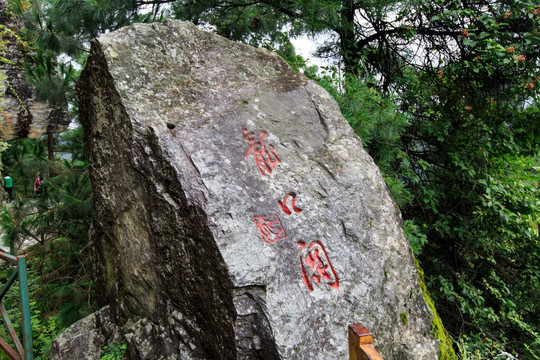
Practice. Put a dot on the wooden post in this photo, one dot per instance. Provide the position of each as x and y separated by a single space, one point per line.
361 344
50 145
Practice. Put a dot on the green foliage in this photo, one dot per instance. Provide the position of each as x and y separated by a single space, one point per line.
477 203
445 342
3 147
14 225
115 351
26 159
417 238
12 305
56 223
54 82
44 331
254 23
9 39
404 317
58 26
44 328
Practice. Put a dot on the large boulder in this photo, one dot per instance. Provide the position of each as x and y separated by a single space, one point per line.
237 215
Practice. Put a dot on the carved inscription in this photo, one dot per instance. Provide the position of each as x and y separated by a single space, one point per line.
283 205
265 159
317 269
270 228
316 266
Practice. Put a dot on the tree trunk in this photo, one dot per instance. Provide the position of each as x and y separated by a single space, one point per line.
50 145
347 39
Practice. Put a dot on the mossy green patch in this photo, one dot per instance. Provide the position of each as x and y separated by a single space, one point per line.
445 344
404 317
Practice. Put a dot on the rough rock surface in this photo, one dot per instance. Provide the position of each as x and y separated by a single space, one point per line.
237 215
84 339
21 114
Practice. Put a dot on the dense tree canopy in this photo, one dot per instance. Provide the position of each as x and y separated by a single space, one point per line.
444 95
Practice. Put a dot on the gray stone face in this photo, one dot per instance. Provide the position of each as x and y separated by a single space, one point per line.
237 214
84 339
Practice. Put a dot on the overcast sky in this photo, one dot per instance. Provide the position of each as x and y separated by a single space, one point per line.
306 47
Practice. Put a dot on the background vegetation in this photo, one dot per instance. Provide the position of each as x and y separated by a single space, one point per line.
53 229
444 95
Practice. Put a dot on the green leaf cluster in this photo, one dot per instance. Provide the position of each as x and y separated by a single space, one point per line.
115 351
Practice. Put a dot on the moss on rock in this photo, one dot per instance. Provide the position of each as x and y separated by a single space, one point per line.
445 341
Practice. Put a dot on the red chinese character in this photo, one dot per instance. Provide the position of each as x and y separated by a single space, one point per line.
270 228
265 159
283 205
316 266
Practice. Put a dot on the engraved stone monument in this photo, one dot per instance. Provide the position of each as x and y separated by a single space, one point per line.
237 214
